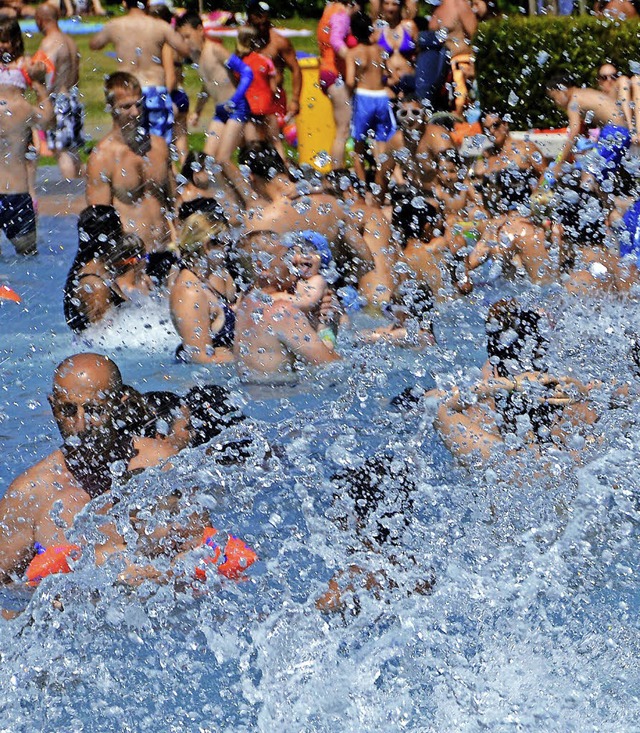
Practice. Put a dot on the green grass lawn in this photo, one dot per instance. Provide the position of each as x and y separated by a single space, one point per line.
96 65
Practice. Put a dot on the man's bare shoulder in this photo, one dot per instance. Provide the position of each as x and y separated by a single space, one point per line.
279 42
103 154
159 145
51 471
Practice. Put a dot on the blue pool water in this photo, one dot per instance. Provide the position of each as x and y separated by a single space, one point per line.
533 621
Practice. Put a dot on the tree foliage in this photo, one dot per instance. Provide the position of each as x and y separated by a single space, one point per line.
516 56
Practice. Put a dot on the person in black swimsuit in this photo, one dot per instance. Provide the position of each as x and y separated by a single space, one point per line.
517 403
202 293
107 266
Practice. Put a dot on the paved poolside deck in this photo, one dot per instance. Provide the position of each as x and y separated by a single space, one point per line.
57 196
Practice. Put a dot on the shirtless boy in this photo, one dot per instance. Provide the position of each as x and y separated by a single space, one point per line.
600 109
138 40
365 79
65 136
505 177
130 169
17 119
280 50
217 68
273 336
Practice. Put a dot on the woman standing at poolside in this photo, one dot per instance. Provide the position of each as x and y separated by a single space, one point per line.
333 30
397 38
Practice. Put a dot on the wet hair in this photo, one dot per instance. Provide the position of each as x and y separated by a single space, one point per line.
583 214
202 205
409 216
198 230
634 355
559 82
515 342
195 162
160 11
129 249
263 161
99 232
361 27
163 406
443 119
377 491
341 179
417 302
191 18
130 4
10 32
120 80
210 412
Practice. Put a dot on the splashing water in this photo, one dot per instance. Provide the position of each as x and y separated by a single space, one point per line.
531 623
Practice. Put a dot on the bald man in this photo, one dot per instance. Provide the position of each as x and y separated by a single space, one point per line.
100 420
65 137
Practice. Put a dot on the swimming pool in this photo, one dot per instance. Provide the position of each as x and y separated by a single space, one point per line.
532 623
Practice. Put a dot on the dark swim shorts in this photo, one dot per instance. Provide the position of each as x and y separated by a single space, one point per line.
17 216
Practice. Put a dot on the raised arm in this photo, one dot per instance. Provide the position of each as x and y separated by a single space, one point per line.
575 123
176 41
43 113
101 39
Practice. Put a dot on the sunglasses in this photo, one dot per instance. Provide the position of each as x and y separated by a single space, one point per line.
494 126
130 261
92 410
607 77
406 112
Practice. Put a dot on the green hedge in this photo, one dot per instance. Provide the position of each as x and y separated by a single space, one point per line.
517 55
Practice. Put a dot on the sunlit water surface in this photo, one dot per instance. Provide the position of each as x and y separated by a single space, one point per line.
533 621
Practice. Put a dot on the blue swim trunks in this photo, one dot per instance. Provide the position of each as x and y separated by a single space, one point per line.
240 112
181 100
629 233
159 112
372 116
604 159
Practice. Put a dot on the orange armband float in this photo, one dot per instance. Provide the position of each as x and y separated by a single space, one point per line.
7 293
51 561
40 57
236 556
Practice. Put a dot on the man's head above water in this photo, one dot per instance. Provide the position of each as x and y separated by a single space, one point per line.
87 392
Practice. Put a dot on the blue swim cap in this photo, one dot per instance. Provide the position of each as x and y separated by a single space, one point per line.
316 240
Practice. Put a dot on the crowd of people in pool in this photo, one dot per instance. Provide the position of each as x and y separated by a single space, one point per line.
258 259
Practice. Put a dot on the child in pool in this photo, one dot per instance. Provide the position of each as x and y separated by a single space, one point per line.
312 287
